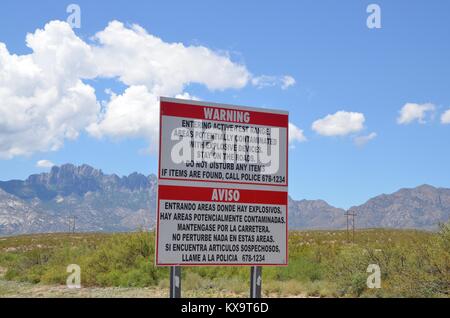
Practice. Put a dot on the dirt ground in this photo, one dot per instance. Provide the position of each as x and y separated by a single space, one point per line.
10 289
13 289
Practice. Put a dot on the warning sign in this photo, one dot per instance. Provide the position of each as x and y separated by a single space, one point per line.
205 226
222 191
207 143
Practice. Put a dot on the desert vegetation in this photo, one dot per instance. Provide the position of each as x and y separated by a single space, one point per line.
321 264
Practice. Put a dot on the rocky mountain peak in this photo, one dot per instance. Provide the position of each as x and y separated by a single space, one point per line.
71 171
69 179
421 207
107 202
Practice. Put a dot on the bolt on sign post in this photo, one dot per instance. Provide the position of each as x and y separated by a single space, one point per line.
222 186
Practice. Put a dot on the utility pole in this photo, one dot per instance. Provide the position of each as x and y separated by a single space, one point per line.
352 215
73 229
71 223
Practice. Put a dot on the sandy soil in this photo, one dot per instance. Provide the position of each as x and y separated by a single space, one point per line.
12 289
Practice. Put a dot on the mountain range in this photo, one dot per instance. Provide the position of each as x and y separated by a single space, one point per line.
84 199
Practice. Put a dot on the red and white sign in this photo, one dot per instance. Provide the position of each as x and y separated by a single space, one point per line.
219 226
222 185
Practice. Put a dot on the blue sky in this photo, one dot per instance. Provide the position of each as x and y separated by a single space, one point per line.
338 64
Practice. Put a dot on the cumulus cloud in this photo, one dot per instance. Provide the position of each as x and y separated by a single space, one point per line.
339 124
362 140
411 112
295 134
44 100
44 164
139 58
445 118
131 114
270 81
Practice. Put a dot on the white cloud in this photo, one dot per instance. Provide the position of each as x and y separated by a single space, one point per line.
44 100
187 96
270 81
362 140
295 134
132 114
44 164
264 81
339 124
414 112
287 81
139 58
445 118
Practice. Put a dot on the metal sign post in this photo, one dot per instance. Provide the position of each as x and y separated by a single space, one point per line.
175 282
255 281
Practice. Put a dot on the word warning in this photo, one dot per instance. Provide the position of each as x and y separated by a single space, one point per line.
222 185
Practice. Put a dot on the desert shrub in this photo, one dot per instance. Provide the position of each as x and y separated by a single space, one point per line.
124 260
283 288
426 267
233 284
118 260
192 281
301 268
410 265
321 263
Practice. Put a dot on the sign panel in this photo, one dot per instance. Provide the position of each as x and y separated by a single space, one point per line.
222 190
206 226
207 143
